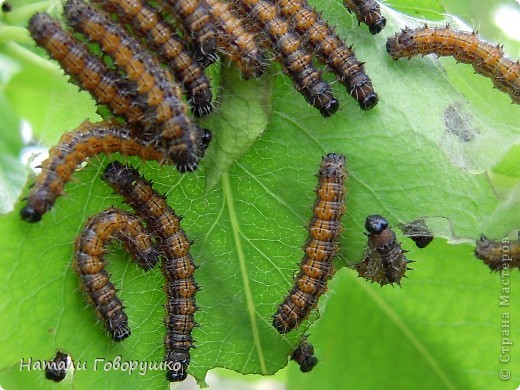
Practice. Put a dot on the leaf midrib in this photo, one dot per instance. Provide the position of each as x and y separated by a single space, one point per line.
228 198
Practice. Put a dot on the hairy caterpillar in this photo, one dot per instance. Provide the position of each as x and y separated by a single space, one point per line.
316 267
178 266
89 263
465 47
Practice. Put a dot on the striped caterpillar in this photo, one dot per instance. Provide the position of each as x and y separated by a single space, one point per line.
316 267
89 263
89 72
296 62
368 12
197 25
330 49
166 112
465 47
177 266
151 26
74 147
237 43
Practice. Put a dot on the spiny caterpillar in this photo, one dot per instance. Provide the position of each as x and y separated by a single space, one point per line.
330 49
73 148
368 12
160 37
465 47
89 72
237 43
197 25
384 260
177 266
316 267
296 62
89 263
498 254
166 115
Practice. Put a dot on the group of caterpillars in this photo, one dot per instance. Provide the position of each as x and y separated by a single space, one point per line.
154 232
120 62
384 260
136 88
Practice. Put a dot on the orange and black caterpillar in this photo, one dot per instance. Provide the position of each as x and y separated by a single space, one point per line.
238 44
90 73
56 369
368 12
330 49
498 255
316 267
159 36
197 25
304 356
384 260
296 62
178 266
89 263
184 141
73 148
465 47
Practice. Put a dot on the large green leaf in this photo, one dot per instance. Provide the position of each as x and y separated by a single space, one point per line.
443 328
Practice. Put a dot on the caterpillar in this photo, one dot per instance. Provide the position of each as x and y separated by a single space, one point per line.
89 263
322 245
150 25
90 73
304 356
368 12
295 61
73 148
418 232
177 267
330 49
498 254
465 47
56 369
184 140
198 27
384 260
237 43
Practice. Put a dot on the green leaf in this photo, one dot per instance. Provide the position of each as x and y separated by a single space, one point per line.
443 328
245 110
429 9
12 172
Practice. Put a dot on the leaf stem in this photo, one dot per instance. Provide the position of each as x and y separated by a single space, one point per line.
20 53
228 195
21 15
14 34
